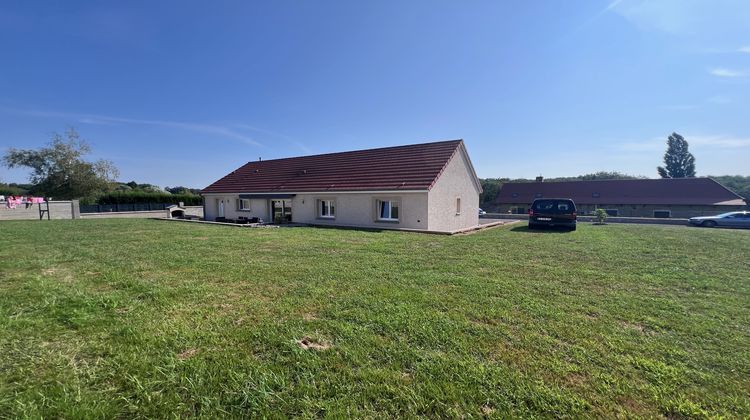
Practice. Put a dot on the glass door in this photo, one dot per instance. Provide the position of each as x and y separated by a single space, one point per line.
281 211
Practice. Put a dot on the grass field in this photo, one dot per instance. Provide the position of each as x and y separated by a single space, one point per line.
105 318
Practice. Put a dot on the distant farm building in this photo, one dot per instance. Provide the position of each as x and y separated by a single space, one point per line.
676 197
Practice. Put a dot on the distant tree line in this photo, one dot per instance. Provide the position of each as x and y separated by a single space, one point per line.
14 189
143 197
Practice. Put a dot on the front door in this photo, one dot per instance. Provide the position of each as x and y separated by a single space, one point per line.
281 211
220 207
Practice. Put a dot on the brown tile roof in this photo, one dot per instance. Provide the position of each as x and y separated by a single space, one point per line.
411 167
684 191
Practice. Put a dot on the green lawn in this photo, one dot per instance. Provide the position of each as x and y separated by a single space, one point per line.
122 318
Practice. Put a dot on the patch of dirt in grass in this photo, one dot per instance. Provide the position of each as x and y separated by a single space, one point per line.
308 343
61 274
487 410
576 380
591 315
200 238
309 317
187 354
634 407
637 327
484 322
239 321
122 310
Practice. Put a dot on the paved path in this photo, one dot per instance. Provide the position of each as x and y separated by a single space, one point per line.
488 220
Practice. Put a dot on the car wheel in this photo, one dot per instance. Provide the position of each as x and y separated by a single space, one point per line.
709 224
573 228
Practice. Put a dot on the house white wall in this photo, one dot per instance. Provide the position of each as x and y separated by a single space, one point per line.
352 209
258 207
359 209
456 182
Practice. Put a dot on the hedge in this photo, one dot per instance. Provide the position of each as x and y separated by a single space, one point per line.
142 197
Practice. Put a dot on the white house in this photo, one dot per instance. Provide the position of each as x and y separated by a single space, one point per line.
429 186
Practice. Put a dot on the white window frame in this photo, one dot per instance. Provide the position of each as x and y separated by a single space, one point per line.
331 205
241 204
390 217
458 206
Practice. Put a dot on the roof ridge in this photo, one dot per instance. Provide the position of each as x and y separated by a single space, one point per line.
358 150
728 189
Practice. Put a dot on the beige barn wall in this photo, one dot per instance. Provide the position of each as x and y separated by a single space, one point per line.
359 209
456 181
58 210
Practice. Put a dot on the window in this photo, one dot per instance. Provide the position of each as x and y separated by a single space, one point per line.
662 214
612 212
515 195
243 204
595 195
326 209
561 206
388 210
458 205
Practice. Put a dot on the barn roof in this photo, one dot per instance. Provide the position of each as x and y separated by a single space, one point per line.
677 191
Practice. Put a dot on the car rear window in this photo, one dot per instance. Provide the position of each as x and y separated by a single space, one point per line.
554 206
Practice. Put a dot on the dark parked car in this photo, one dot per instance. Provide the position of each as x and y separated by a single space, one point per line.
732 219
552 212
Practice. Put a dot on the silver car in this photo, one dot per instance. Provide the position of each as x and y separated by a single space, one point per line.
739 219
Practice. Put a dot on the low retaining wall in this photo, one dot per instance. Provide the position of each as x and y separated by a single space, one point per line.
154 214
610 219
57 210
71 210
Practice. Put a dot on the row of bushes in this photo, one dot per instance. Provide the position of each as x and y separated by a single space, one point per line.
142 197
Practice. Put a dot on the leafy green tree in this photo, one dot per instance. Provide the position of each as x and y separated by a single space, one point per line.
678 161
59 169
182 190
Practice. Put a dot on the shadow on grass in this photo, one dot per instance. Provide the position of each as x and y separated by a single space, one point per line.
554 229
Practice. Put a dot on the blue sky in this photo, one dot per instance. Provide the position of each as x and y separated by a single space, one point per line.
180 93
